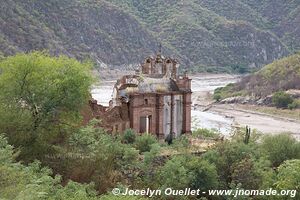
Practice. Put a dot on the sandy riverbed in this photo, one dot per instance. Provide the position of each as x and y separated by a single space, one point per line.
237 117
264 123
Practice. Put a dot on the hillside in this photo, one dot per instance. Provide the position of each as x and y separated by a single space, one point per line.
283 19
281 75
205 35
76 28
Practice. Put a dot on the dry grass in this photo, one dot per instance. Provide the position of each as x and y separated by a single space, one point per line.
196 145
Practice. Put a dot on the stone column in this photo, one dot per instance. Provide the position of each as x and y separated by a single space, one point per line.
187 118
159 121
172 114
147 124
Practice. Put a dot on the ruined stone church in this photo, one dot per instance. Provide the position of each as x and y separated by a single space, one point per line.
155 100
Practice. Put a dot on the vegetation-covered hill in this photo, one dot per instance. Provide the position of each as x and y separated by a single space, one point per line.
273 79
77 28
283 74
204 34
283 19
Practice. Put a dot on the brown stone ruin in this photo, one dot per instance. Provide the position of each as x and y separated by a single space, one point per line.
155 100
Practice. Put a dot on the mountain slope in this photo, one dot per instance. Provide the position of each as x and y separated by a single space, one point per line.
205 37
283 19
76 28
203 34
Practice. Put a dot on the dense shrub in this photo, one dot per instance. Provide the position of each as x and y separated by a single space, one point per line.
217 97
175 174
229 155
289 177
224 92
192 171
204 174
281 99
294 105
129 136
239 69
279 148
92 155
181 143
32 181
143 143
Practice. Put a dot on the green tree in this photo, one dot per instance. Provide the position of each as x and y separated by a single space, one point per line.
150 175
229 154
245 173
204 174
279 148
188 171
41 97
175 174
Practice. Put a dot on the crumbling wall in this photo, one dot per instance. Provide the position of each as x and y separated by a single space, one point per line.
113 120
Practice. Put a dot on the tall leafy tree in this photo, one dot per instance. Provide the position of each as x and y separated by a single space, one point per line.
41 96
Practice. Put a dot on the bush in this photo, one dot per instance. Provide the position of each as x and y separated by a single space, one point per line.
143 143
175 174
293 105
217 97
206 133
204 174
281 99
129 136
240 69
181 142
149 156
279 148
94 156
288 177
20 181
188 171
224 92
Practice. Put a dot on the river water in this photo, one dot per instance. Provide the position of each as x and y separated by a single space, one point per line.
202 85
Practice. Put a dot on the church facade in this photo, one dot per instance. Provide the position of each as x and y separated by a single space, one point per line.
155 100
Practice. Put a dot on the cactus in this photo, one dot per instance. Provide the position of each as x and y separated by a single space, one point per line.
247 135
